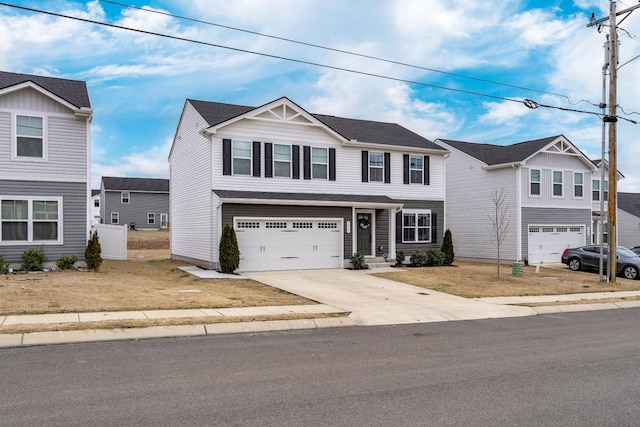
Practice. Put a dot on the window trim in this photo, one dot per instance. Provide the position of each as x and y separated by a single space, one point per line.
117 217
151 218
14 139
554 183
595 191
411 169
381 167
326 165
96 203
576 186
31 221
417 212
128 198
274 161
250 158
539 182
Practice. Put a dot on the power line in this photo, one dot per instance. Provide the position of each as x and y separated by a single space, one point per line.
346 52
331 67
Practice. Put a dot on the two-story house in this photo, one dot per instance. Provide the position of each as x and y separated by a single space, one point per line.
301 190
140 203
547 184
45 131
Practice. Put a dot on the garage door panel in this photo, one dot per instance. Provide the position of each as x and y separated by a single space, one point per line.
546 242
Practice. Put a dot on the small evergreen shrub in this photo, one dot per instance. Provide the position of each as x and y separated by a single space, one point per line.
66 262
93 252
435 257
4 266
418 259
357 262
447 248
400 258
229 253
33 260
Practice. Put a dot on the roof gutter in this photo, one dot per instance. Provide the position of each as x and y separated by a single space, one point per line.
503 165
355 143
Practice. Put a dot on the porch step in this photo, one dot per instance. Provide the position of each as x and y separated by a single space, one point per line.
378 263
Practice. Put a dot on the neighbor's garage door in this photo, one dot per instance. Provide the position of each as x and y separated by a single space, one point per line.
288 244
546 243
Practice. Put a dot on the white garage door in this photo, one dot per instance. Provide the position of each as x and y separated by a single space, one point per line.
289 243
546 243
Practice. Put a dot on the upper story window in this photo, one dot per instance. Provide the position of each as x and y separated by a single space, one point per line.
595 187
416 169
534 182
125 197
241 157
31 220
30 137
376 166
578 185
557 183
96 203
282 160
319 163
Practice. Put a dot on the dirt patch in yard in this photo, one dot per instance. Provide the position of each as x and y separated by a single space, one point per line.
148 239
475 280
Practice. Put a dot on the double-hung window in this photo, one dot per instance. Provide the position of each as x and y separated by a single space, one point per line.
319 163
31 220
125 197
282 160
115 217
151 218
595 190
416 226
376 166
30 137
416 169
557 184
578 185
241 157
534 182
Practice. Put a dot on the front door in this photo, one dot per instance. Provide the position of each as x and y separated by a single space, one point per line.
365 225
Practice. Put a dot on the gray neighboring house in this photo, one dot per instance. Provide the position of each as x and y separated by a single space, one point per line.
548 187
628 219
45 135
140 203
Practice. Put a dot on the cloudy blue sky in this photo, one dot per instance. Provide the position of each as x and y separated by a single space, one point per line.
138 83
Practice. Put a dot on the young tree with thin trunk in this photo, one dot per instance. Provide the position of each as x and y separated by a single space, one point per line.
499 220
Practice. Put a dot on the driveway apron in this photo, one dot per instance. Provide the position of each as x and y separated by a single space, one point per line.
376 301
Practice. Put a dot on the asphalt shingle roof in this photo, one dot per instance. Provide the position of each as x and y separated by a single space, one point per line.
366 131
73 91
154 185
492 154
629 202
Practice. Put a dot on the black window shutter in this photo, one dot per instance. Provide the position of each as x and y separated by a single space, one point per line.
306 151
226 157
399 227
256 158
365 166
268 160
295 158
387 168
426 170
434 227
405 165
332 164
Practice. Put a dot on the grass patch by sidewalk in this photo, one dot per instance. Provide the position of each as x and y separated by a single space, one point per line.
476 280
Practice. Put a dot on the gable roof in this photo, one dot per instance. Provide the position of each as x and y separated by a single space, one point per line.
629 202
73 91
492 154
365 131
147 185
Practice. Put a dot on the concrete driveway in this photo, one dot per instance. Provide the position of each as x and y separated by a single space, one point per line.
376 301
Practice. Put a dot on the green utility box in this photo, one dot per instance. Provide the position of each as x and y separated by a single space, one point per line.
517 269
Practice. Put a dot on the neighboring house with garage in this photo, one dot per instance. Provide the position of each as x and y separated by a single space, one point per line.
547 185
601 192
140 203
301 190
45 131
628 220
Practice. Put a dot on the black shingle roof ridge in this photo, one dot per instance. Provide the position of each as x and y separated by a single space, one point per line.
73 91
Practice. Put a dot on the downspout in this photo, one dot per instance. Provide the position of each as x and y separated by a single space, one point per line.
518 169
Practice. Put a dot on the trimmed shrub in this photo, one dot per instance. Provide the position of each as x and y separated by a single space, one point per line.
93 252
358 262
66 262
447 248
418 259
4 266
400 258
229 258
435 257
33 260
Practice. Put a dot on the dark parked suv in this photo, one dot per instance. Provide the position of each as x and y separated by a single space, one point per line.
588 258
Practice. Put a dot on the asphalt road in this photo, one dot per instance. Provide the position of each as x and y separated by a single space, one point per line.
578 369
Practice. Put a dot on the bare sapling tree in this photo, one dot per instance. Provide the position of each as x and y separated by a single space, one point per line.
499 220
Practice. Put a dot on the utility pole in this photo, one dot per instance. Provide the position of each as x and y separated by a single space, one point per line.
612 119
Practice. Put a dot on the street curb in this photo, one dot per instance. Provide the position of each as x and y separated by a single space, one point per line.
98 335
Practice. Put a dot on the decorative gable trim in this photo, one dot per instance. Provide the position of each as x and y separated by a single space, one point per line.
78 111
562 146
